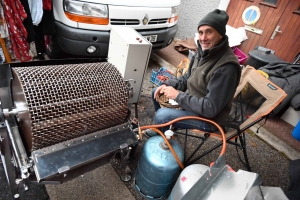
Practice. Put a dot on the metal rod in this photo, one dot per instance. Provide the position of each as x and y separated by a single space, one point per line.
199 146
243 145
228 139
6 158
20 153
136 110
185 141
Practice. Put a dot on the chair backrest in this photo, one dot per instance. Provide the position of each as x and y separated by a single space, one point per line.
254 98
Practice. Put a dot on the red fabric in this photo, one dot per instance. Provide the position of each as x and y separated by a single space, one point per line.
47 4
14 14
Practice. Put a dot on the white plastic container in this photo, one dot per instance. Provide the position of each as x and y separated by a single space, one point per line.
188 177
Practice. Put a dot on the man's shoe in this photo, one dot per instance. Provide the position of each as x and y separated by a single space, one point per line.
150 133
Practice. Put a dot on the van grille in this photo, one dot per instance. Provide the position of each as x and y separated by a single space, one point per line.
124 22
158 21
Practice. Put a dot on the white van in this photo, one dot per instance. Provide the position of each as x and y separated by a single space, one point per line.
83 27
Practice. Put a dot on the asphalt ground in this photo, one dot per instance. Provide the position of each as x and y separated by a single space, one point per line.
104 183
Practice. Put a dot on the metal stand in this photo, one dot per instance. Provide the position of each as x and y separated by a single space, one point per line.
124 158
6 157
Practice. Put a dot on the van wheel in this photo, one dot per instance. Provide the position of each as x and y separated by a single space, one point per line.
53 49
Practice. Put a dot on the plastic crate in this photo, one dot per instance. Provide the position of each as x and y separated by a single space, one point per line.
239 54
158 76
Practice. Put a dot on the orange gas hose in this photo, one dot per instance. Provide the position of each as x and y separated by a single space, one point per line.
171 148
154 127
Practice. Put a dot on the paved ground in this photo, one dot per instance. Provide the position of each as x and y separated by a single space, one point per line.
103 183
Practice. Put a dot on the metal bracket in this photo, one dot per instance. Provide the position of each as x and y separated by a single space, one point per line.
6 158
2 118
7 113
129 87
254 30
124 168
18 150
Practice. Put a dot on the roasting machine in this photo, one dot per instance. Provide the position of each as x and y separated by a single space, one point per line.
62 118
59 120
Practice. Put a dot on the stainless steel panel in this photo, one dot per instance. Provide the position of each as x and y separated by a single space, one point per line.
60 162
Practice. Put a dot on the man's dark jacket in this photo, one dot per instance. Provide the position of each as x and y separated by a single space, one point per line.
210 83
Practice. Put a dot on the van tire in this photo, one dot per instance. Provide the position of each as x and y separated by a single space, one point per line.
53 49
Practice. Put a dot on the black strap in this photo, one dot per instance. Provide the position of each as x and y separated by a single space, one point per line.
266 118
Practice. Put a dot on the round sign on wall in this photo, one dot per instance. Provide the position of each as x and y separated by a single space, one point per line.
251 15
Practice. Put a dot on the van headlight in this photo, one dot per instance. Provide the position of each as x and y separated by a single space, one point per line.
86 12
174 15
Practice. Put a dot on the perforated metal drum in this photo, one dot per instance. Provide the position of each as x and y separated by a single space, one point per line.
57 103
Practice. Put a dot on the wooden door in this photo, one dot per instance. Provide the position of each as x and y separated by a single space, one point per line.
285 13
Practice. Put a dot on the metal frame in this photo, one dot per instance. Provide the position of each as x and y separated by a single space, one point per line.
238 135
61 163
7 161
22 167
15 160
255 99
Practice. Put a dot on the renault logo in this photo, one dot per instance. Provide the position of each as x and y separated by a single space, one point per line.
145 19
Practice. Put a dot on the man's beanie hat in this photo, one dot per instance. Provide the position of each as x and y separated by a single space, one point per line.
216 19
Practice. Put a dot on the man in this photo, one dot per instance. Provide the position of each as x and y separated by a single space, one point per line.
209 85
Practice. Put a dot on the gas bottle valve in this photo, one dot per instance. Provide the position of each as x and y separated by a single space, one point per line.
169 133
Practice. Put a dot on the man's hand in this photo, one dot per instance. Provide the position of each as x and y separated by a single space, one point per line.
169 92
158 91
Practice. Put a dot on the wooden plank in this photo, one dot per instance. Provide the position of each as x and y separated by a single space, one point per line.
294 52
285 43
290 30
265 23
250 35
270 26
259 25
236 4
289 42
239 23
230 11
285 37
293 45
276 15
284 24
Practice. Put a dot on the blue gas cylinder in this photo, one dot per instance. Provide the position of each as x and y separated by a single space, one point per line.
157 169
296 131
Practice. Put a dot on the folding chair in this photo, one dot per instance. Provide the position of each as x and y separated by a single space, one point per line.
254 100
